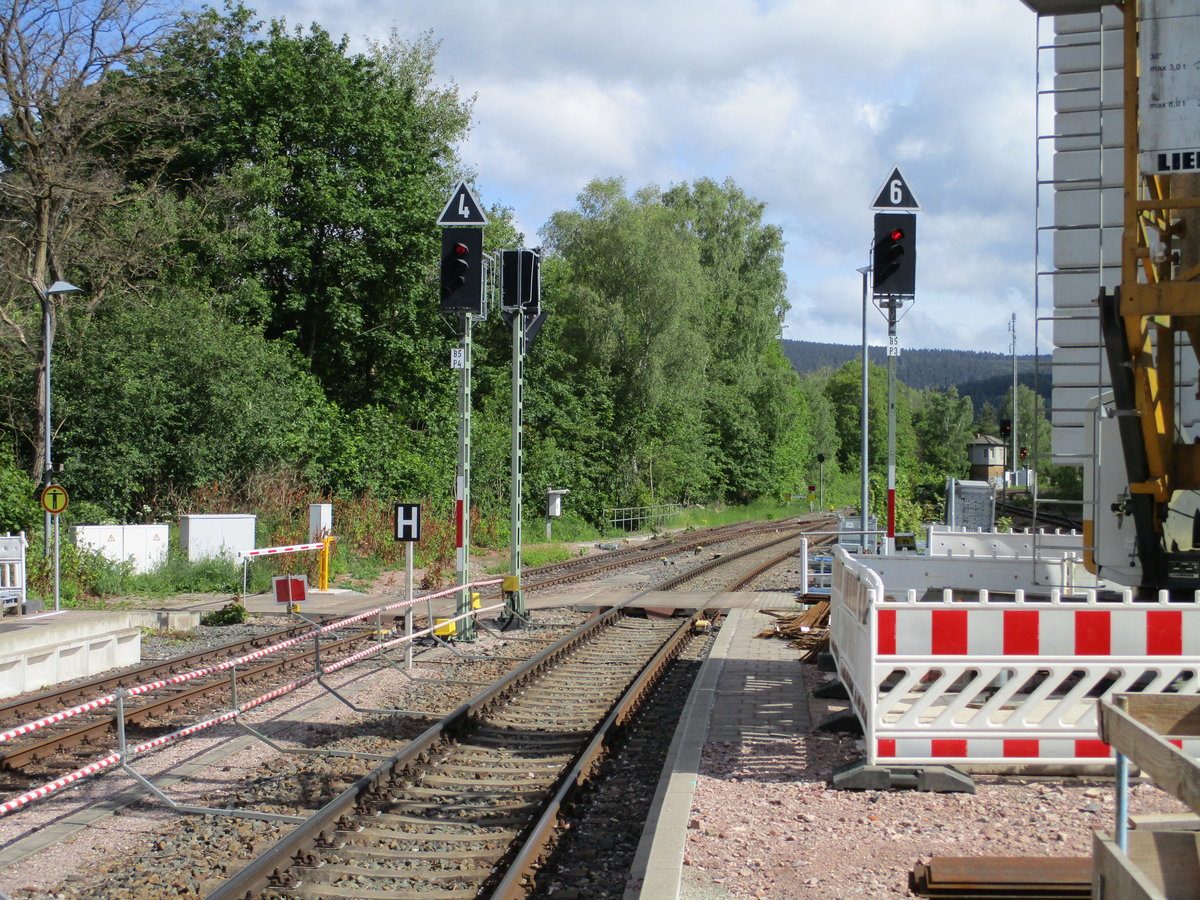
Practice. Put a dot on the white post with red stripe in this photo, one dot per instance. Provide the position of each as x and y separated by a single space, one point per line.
967 677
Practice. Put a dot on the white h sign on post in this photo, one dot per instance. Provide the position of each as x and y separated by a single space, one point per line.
408 529
408 521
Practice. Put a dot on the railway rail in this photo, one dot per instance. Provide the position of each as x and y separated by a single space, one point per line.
565 728
96 729
471 804
445 818
552 574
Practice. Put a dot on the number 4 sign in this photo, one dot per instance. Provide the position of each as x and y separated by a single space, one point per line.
462 208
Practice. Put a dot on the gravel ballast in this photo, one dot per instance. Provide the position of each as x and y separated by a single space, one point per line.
764 823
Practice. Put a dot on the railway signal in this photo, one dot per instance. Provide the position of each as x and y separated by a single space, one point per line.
520 281
462 270
895 260
894 278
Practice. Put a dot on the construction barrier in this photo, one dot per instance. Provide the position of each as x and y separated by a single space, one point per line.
12 570
816 571
324 547
972 677
122 758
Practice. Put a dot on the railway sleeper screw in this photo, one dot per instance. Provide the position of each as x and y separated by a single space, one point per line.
344 823
282 879
326 842
307 859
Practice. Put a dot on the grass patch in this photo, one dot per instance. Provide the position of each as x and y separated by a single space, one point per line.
179 576
229 614
534 555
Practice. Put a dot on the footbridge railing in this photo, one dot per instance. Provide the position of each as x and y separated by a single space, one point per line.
976 677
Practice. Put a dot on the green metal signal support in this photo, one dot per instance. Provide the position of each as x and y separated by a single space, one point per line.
464 628
514 598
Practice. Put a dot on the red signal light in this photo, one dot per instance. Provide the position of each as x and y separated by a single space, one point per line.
461 250
896 234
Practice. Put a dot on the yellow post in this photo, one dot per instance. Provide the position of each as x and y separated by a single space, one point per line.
323 565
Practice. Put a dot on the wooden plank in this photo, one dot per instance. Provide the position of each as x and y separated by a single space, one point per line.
1009 870
1169 767
1114 879
1166 822
1169 859
1177 715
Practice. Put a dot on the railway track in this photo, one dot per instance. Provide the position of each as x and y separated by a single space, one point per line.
430 799
95 730
468 807
553 574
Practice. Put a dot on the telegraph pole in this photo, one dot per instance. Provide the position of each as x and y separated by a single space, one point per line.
1012 326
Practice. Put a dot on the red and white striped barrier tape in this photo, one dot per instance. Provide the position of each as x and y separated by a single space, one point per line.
140 689
104 763
271 551
46 789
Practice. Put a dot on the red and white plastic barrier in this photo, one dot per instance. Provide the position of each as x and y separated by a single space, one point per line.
49 788
987 680
115 758
273 551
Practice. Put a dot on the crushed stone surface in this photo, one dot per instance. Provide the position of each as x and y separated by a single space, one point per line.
765 824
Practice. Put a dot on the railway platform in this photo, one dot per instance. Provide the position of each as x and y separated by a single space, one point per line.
749 690
50 647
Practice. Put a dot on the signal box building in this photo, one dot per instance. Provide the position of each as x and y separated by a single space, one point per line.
986 454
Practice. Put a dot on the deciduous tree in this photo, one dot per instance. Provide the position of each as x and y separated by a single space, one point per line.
70 84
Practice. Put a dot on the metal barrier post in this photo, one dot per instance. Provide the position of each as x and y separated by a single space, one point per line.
323 567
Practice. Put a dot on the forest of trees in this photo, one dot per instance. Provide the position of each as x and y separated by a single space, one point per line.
249 213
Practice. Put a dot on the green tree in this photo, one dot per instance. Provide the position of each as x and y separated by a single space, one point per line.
630 306
167 395
71 77
844 390
340 165
944 424
750 383
1033 426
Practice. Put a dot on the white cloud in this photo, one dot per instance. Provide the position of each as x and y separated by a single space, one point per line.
805 104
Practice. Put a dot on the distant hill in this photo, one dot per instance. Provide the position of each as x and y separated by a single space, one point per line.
984 377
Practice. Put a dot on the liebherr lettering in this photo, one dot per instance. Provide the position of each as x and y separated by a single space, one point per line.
1179 161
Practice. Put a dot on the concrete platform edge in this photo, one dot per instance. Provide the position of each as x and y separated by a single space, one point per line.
657 866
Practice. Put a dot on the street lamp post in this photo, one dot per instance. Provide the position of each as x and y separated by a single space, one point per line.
59 287
865 444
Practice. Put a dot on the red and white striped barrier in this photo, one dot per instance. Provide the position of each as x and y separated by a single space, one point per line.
1026 629
273 551
116 758
49 788
137 690
992 681
1010 750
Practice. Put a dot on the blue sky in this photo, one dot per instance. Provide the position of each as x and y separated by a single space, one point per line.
805 104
